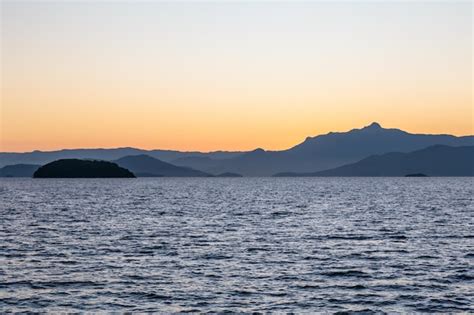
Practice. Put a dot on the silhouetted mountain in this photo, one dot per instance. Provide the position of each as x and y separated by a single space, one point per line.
196 162
332 150
437 160
75 168
18 170
229 175
43 157
146 166
314 154
169 155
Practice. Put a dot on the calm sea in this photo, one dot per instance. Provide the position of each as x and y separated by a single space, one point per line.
237 244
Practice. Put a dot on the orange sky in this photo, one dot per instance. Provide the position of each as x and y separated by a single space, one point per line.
236 76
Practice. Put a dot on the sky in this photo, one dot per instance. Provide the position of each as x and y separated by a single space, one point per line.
229 75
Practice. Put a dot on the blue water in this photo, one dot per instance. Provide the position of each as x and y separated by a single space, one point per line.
237 244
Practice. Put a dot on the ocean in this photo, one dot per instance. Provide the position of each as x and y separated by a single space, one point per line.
237 245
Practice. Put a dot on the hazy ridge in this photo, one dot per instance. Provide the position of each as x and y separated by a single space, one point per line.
314 154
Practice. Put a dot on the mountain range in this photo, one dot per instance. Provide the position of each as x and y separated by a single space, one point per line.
313 155
43 157
143 165
324 152
437 160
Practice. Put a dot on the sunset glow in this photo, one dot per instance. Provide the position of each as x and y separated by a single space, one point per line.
229 76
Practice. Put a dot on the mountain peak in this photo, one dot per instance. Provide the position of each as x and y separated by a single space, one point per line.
374 125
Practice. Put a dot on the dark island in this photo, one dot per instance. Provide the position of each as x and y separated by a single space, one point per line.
75 168
416 175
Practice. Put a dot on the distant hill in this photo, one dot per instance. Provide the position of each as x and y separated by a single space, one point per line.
196 162
146 166
75 168
332 150
438 160
43 157
18 170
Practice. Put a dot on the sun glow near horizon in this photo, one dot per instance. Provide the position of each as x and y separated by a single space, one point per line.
229 76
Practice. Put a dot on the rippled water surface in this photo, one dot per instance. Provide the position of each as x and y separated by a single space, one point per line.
237 244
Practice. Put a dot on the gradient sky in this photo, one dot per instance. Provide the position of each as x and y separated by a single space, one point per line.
234 76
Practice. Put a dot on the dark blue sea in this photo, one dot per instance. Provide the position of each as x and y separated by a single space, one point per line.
237 245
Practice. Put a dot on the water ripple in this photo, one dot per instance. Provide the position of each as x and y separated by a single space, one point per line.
368 245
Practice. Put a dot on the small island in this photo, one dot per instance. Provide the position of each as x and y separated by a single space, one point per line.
416 175
229 174
76 168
